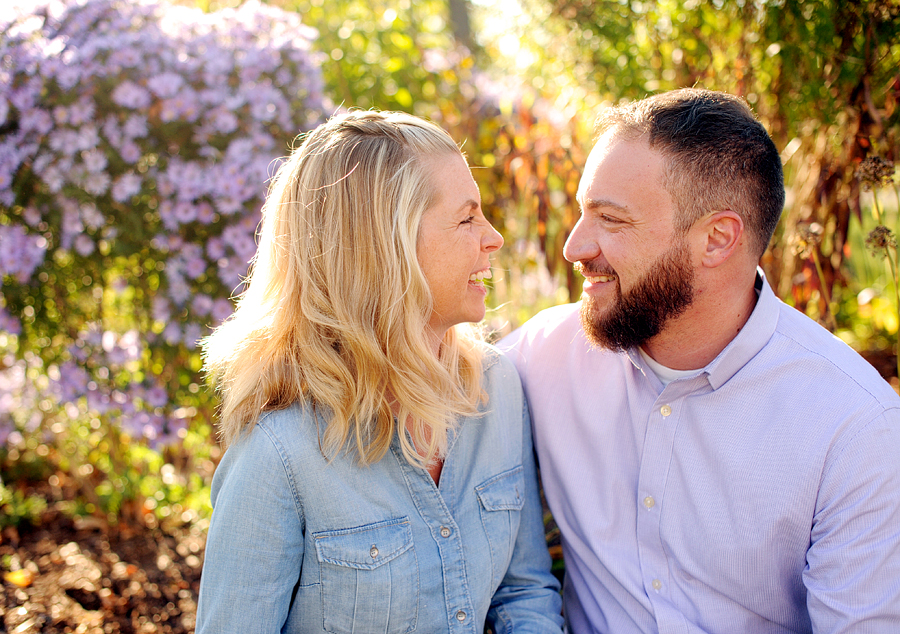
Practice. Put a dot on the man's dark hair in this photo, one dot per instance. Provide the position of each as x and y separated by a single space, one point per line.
718 156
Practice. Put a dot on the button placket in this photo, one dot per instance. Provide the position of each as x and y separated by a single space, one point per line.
662 420
429 500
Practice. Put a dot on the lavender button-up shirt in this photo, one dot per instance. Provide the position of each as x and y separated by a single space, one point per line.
761 495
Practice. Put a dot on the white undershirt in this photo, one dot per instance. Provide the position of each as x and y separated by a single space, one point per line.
666 375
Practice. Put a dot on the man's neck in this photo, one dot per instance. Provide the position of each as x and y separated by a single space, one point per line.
692 340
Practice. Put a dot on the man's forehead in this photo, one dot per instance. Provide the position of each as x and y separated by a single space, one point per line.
604 146
620 171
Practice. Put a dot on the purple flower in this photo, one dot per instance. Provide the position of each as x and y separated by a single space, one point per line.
126 186
37 121
130 95
94 160
63 141
223 121
222 309
91 216
215 249
240 240
31 216
195 266
185 212
172 333
135 126
69 382
165 85
192 335
20 253
232 271
87 138
205 213
9 324
161 309
81 112
96 184
156 396
202 304
84 246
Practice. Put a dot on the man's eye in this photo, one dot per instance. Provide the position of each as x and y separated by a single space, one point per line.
468 220
609 219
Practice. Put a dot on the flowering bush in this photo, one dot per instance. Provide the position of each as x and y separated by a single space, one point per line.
136 139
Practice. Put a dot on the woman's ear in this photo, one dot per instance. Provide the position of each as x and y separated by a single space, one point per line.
720 232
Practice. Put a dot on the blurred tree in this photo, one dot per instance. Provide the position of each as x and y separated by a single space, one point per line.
821 74
459 19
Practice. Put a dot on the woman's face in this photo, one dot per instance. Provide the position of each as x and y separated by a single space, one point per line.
454 245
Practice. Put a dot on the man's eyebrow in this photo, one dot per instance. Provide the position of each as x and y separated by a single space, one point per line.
590 204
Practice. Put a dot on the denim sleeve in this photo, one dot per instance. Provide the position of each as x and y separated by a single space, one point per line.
853 563
254 545
528 598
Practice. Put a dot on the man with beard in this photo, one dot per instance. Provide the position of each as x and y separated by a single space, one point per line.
716 461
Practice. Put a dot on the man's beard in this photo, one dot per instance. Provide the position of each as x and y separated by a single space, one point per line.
634 318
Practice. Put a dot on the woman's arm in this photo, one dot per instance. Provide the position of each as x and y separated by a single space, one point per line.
528 598
254 547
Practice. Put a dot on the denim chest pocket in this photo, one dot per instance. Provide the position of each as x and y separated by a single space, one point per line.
369 578
502 498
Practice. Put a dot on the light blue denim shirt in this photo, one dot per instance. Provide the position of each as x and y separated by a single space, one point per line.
298 544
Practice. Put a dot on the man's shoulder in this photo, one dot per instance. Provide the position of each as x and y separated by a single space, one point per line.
562 320
832 358
552 347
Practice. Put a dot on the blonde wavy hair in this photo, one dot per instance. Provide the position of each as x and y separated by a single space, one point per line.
336 309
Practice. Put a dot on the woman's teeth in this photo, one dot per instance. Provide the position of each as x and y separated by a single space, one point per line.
480 275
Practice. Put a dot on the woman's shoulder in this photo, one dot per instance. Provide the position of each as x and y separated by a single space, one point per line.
499 374
291 430
494 361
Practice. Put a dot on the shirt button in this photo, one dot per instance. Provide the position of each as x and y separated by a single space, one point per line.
373 553
445 532
649 502
665 410
460 616
657 584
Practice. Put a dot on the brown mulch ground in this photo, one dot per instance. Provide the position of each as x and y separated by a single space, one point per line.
90 579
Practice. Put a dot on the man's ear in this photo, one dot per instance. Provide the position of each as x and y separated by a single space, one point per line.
720 232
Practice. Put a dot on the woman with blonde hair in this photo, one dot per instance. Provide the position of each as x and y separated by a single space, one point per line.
379 474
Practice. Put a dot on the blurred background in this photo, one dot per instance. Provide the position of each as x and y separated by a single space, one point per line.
136 142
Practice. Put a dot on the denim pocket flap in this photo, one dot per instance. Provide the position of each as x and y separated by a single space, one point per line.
504 492
365 547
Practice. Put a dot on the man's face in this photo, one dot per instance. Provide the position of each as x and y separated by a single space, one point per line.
638 271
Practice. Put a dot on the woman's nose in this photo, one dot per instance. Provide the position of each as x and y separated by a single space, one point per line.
492 239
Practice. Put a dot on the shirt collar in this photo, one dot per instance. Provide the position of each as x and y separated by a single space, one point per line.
748 342
751 339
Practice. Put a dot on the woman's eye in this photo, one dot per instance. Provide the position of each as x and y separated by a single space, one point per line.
468 220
